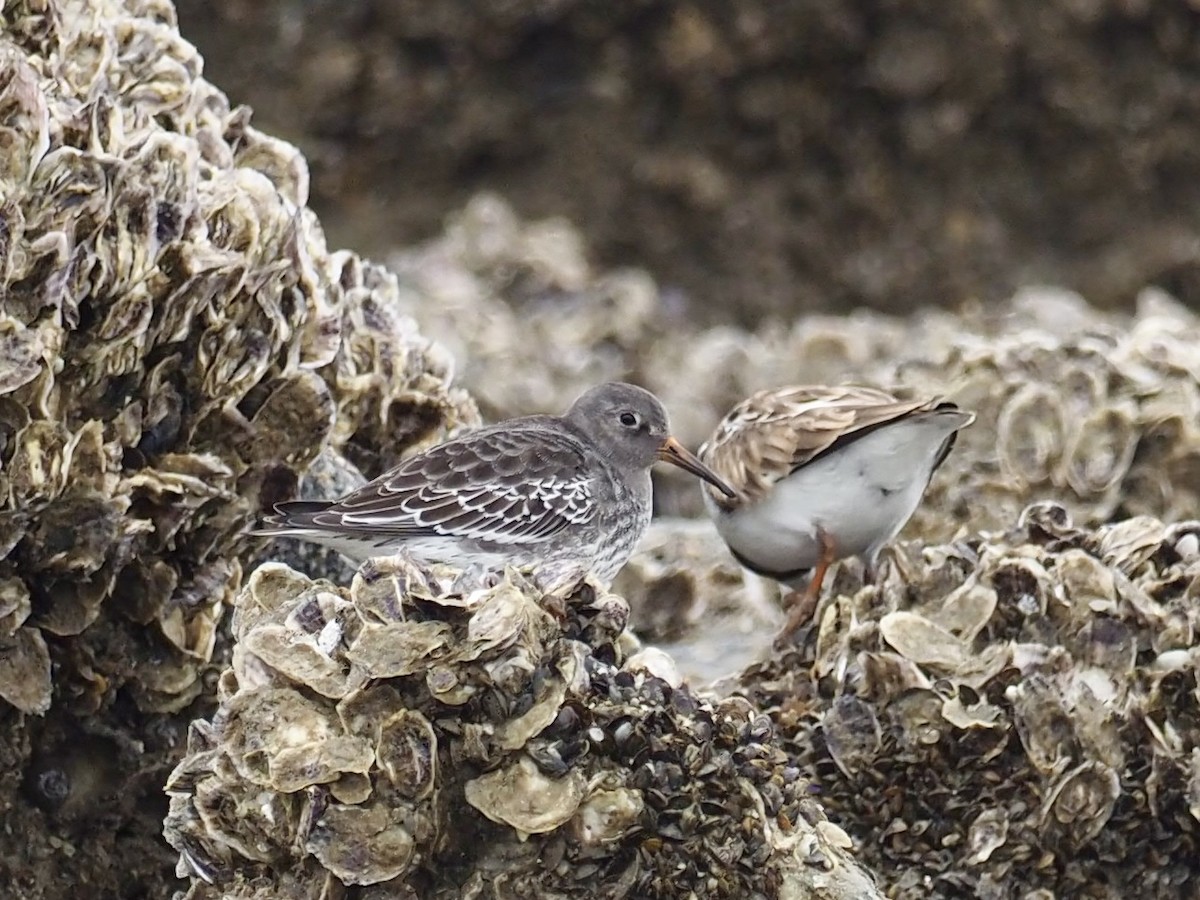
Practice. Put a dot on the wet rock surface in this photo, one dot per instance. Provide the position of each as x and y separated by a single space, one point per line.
761 158
1008 716
433 734
689 598
177 343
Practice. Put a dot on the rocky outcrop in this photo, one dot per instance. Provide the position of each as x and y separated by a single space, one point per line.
437 735
1008 715
176 344
178 347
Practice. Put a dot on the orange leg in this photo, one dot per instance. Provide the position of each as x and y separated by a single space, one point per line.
804 604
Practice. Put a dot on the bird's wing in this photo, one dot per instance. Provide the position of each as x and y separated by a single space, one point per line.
506 485
772 433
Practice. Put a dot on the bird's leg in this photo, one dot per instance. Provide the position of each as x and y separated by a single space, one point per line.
805 604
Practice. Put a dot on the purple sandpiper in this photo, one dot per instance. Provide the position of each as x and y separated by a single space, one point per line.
536 490
822 473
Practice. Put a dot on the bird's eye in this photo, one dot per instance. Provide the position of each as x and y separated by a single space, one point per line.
629 420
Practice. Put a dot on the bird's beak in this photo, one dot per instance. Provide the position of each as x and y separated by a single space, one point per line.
676 454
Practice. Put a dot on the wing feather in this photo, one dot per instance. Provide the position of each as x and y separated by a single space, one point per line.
774 432
504 485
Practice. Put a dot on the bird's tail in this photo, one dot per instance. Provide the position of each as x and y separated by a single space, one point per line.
292 516
953 410
960 418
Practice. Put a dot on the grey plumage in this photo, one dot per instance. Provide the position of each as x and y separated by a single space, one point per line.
536 489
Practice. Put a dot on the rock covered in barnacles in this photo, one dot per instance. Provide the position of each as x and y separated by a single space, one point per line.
1100 412
1009 715
176 344
432 733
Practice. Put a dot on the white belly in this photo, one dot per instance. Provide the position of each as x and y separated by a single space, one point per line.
424 550
860 496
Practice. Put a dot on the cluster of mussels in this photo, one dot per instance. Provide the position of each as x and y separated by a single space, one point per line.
1013 715
176 344
439 734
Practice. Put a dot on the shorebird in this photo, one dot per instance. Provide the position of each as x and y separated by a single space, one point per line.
540 490
821 474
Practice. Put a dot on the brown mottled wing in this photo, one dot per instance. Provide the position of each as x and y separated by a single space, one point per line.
504 484
772 433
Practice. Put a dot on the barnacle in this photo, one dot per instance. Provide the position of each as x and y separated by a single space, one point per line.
502 726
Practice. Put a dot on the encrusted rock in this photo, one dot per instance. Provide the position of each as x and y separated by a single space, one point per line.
1014 714
176 341
1099 412
437 734
176 344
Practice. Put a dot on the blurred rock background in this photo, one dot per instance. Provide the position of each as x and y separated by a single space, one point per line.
759 158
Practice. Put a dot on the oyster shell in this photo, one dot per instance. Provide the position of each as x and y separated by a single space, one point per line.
278 738
999 706
521 797
406 753
607 814
565 758
361 844
25 670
